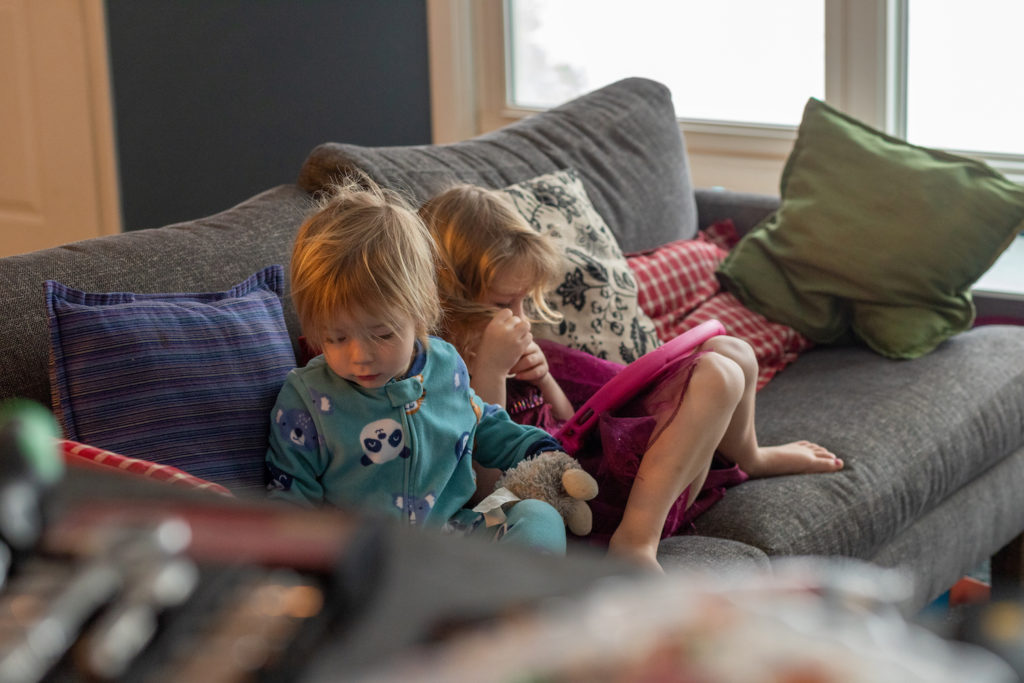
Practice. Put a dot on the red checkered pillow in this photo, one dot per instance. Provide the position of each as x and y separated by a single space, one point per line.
79 452
678 289
677 277
775 345
722 233
674 279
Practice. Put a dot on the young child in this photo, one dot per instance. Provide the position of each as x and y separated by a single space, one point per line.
385 419
652 457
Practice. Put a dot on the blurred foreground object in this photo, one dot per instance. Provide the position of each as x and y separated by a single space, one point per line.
30 465
809 620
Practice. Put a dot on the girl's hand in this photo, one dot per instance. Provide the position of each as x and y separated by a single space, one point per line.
504 341
532 365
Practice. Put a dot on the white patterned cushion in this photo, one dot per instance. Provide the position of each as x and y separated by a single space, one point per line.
597 294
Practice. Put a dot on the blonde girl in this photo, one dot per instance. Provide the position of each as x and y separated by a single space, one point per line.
653 457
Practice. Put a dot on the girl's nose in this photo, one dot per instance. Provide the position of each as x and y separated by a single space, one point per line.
362 351
517 308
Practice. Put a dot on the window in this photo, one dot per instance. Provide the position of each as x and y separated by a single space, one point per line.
963 70
933 71
718 69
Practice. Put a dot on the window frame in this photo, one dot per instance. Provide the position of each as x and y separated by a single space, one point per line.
865 76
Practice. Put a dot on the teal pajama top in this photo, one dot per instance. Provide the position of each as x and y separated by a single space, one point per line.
405 448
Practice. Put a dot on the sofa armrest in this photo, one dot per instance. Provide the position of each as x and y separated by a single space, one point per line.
746 209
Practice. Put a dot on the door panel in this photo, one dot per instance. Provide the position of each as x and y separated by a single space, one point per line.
58 180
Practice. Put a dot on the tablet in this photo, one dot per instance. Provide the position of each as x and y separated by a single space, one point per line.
630 380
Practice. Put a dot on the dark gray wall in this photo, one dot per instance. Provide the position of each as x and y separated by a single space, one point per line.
216 100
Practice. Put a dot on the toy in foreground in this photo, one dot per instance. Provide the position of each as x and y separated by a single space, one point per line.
553 477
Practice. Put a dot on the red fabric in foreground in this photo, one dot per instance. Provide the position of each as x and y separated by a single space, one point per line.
79 452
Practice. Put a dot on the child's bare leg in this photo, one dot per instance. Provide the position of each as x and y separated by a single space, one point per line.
739 443
679 457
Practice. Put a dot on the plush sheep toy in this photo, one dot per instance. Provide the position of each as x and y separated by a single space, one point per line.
554 477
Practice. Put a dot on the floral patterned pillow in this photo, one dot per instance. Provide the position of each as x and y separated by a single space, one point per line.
598 292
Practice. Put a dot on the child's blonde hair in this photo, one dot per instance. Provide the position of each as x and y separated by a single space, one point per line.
364 249
479 234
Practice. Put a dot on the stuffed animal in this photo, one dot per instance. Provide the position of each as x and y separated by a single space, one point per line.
556 478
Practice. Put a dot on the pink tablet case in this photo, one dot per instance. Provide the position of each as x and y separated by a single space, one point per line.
630 380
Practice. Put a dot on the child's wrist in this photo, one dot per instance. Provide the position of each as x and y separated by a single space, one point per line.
546 381
484 369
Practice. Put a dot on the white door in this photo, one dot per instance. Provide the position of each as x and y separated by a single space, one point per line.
58 177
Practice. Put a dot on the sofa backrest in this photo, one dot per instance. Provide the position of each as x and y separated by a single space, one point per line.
206 255
623 140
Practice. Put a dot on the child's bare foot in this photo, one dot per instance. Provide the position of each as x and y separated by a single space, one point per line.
797 457
642 555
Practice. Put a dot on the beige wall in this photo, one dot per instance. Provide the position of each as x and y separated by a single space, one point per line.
58 178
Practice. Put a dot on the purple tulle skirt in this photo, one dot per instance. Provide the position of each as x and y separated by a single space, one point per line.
612 452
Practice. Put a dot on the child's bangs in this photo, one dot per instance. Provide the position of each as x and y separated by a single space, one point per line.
367 292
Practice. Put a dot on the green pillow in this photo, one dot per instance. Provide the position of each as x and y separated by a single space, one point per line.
874 237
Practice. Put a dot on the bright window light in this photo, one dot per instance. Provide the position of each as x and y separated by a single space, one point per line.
730 60
964 88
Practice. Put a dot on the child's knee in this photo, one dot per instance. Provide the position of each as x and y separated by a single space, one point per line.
736 350
536 524
718 377
533 511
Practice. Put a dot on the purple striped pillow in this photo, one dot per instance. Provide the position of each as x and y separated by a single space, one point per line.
186 380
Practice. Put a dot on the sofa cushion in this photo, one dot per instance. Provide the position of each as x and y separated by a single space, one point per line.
596 293
186 380
911 433
874 236
196 256
691 553
623 140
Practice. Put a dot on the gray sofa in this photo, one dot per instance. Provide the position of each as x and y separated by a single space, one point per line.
934 448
